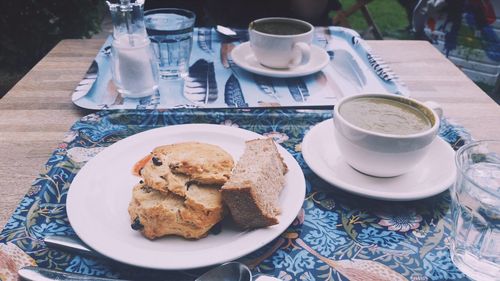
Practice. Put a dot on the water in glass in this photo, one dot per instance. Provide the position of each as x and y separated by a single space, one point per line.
171 33
475 247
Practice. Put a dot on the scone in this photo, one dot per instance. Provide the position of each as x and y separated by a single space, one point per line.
157 213
253 190
173 167
179 193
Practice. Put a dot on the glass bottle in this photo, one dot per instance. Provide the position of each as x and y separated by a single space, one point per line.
134 66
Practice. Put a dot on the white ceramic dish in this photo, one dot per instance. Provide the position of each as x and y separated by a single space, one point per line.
99 195
281 50
243 56
381 154
433 175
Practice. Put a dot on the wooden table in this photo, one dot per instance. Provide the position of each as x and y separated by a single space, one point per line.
37 112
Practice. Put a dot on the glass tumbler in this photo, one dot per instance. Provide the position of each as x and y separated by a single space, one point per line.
475 243
171 34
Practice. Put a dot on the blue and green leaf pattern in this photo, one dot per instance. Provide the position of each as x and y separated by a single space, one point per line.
336 236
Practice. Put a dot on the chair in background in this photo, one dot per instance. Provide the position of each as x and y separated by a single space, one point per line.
341 17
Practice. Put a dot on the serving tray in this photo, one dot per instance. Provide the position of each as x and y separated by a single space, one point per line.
353 69
336 236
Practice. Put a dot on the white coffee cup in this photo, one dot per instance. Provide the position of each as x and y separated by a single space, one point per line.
384 154
274 49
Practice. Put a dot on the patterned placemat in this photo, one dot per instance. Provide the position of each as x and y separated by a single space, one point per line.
337 236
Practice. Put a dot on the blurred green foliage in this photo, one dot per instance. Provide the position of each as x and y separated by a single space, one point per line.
389 16
30 28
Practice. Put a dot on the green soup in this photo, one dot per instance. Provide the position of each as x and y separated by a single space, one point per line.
386 116
280 27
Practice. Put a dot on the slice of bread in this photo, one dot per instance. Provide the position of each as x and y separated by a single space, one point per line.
253 190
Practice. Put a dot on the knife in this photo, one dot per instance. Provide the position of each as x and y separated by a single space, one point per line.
33 273
75 245
70 243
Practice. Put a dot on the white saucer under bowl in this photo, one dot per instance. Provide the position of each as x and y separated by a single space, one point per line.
243 56
433 175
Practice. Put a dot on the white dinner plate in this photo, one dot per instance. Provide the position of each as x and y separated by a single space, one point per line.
99 195
243 56
433 175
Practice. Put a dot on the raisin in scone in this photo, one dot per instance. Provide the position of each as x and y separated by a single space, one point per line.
179 193
157 213
173 167
253 190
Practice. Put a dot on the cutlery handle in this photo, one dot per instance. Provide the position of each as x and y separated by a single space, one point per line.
33 273
69 243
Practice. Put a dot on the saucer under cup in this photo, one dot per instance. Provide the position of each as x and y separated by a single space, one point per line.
243 57
433 175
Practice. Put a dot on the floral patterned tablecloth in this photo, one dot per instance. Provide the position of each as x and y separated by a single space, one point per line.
336 236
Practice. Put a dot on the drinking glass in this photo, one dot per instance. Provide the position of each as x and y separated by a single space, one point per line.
171 34
475 244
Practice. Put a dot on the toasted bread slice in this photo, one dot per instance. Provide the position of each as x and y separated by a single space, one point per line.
253 190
